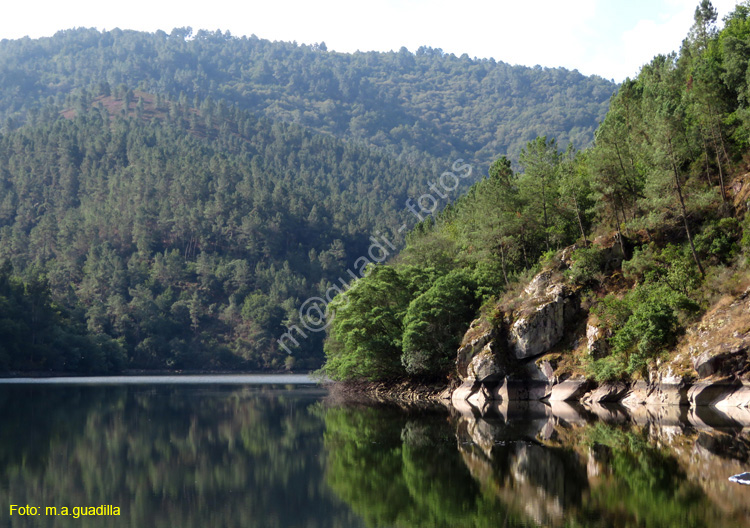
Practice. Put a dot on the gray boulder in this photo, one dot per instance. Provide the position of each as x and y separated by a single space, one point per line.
484 366
608 393
541 325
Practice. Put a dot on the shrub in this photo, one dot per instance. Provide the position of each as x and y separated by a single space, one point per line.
718 240
642 324
586 264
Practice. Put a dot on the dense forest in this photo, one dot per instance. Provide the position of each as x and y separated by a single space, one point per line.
656 179
423 104
170 201
183 237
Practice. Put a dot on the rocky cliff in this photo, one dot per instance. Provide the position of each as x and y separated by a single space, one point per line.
532 349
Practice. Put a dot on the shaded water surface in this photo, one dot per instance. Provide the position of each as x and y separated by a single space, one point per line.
226 453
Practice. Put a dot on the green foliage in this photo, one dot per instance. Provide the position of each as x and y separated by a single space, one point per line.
397 322
671 266
718 240
364 96
609 368
488 238
35 334
501 171
659 169
365 337
191 246
547 258
190 230
650 327
488 275
642 323
586 264
745 240
174 222
435 322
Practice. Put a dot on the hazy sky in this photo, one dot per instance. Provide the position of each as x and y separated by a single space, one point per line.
611 38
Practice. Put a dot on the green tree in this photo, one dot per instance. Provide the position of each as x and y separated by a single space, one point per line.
365 336
434 323
540 160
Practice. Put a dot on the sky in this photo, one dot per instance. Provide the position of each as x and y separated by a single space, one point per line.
610 38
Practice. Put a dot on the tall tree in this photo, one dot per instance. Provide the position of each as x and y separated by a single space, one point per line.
663 81
540 160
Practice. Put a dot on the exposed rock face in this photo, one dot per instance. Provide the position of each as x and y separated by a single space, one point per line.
636 395
538 331
477 338
740 397
668 394
539 370
491 350
484 366
521 390
596 339
516 359
541 322
709 363
608 393
569 390
710 393
720 342
465 391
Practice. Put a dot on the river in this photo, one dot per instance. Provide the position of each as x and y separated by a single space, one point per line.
277 451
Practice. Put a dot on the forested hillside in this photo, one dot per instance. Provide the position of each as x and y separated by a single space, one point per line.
179 237
657 181
413 104
171 200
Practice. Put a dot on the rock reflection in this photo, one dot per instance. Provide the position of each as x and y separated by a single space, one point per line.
528 463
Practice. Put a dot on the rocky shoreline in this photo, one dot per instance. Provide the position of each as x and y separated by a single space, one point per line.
536 348
402 391
723 395
720 394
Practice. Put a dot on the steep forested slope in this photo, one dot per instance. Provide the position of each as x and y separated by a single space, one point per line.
657 180
416 104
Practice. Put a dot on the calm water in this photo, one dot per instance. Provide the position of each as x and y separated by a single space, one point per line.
226 452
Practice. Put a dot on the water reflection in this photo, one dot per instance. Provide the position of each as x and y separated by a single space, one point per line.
285 456
533 464
167 456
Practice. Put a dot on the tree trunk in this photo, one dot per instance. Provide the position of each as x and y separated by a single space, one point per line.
580 223
721 179
544 210
502 261
678 187
718 159
705 152
631 185
619 233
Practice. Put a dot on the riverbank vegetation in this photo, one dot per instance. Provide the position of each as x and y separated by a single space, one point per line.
663 180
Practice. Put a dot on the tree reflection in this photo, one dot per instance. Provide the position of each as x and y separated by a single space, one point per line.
400 469
168 456
431 469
